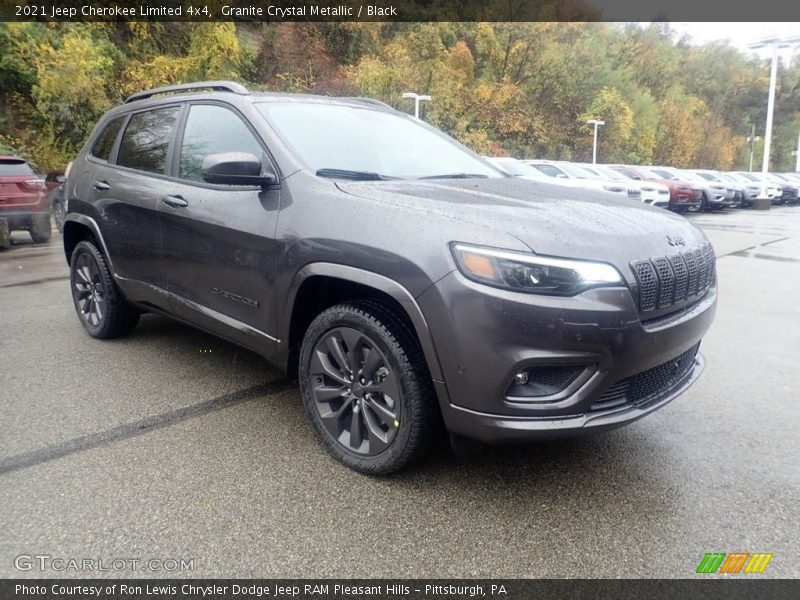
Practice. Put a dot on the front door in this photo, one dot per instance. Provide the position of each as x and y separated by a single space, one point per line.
219 241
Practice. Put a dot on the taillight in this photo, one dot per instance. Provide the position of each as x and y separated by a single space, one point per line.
34 184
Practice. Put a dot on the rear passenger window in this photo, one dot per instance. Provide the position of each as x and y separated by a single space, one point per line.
105 142
146 140
213 129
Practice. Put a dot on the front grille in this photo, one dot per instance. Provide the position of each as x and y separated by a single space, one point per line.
634 192
667 281
647 385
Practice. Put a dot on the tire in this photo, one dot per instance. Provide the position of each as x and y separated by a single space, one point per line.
59 213
101 307
41 229
388 424
5 235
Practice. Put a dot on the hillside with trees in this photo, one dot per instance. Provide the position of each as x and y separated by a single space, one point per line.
520 89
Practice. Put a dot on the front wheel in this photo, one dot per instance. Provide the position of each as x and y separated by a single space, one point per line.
59 214
366 388
100 305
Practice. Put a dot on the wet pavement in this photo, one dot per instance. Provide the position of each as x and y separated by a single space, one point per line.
171 443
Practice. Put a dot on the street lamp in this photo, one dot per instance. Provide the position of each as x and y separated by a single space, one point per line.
752 139
417 99
596 123
775 43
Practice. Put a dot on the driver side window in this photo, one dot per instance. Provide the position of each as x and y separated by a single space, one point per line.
212 129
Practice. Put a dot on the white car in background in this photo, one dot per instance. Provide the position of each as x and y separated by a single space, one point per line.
655 194
517 168
565 170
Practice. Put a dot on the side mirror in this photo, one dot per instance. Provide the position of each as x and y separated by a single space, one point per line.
61 179
236 168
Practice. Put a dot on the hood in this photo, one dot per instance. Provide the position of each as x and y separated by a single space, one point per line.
550 219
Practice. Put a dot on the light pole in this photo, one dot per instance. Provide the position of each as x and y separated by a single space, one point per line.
797 154
775 43
417 99
596 123
752 139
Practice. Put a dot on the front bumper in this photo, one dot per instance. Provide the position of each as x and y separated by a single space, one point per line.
491 428
484 336
685 205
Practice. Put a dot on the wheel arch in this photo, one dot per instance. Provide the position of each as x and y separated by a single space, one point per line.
80 227
320 285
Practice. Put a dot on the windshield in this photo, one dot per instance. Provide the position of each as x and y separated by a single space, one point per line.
550 170
576 171
608 173
14 168
664 174
514 167
708 176
344 141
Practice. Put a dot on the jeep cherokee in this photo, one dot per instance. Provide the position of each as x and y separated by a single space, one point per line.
401 278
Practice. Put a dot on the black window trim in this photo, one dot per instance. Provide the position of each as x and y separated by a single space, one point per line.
170 143
174 170
112 162
113 153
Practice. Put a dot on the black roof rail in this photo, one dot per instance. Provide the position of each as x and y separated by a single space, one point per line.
368 101
218 86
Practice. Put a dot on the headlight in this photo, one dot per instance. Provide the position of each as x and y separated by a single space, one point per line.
523 272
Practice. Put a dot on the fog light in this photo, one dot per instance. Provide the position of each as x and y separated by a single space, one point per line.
521 378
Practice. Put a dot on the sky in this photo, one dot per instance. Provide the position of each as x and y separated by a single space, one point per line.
738 34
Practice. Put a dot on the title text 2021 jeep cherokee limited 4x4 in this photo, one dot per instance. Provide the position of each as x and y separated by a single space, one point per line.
401 278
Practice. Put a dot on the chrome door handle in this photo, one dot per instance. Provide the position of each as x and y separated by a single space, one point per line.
101 186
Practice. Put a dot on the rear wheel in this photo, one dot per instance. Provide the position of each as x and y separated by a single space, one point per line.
41 229
100 305
366 388
5 235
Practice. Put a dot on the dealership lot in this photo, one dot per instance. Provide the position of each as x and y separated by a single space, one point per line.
172 444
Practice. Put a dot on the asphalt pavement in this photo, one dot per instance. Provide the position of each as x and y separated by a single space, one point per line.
173 444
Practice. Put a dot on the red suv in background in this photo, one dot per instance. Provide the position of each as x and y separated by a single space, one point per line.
23 202
683 195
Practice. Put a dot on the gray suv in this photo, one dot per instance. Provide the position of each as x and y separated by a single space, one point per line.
403 280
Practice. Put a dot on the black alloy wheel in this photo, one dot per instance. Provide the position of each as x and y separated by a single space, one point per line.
366 387
88 290
100 305
355 391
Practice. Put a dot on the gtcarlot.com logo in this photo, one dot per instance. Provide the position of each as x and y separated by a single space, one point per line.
46 562
734 562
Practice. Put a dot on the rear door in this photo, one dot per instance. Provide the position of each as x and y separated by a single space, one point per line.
219 241
128 180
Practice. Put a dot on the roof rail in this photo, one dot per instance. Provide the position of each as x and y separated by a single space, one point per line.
367 101
218 86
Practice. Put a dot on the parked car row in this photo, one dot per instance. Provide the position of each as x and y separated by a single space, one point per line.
680 190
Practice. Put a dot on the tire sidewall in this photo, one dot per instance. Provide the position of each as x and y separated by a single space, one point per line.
85 247
316 331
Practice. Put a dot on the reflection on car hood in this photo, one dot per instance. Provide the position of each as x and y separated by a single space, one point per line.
550 219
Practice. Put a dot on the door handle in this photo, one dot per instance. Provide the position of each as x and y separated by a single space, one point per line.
175 201
101 186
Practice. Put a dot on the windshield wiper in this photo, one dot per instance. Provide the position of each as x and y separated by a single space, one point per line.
347 174
457 176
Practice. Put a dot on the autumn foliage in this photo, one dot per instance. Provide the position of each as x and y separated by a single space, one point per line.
522 89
